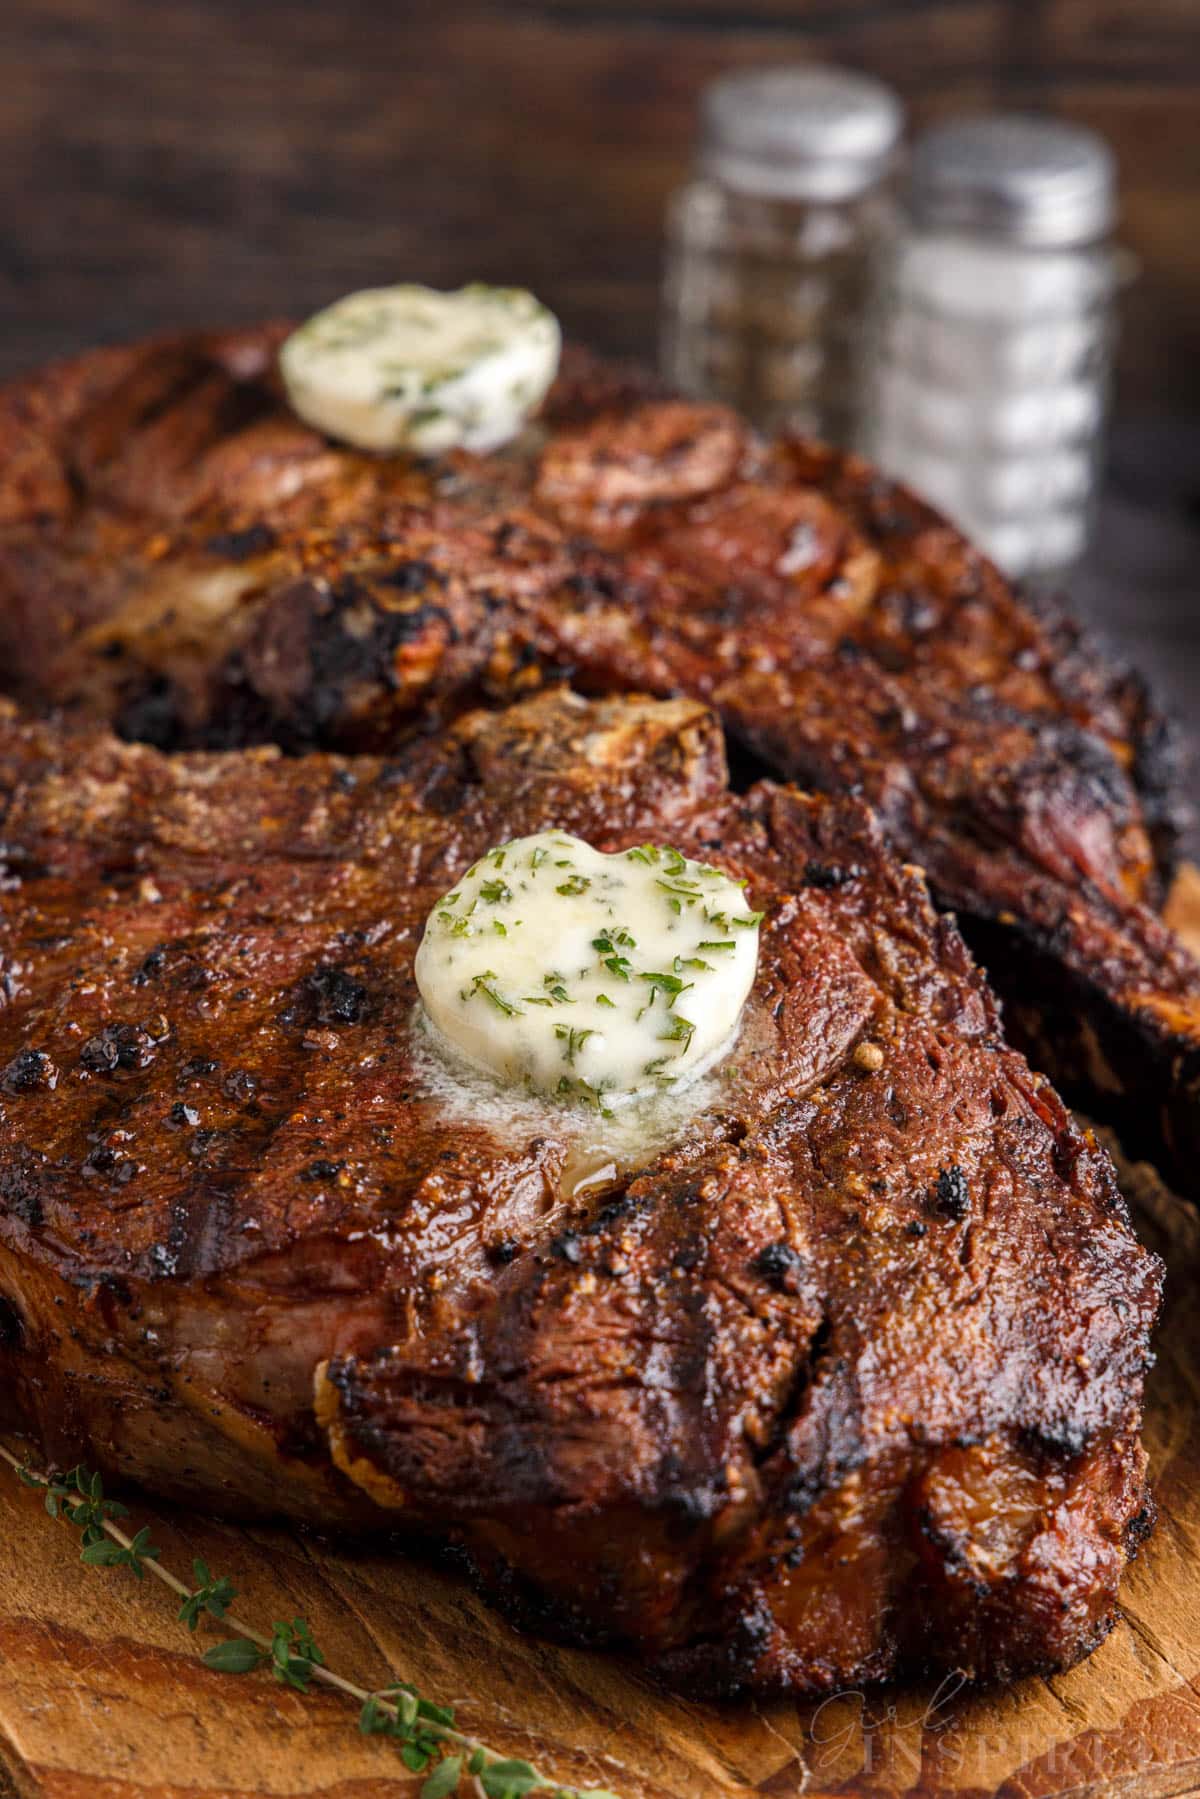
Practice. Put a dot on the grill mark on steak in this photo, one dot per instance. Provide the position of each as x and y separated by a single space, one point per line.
636 1413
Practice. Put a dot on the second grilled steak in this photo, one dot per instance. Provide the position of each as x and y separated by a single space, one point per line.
839 1376
182 556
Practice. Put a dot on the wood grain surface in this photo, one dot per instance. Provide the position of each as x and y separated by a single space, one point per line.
102 1697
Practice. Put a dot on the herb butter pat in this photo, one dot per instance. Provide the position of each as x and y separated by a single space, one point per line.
589 977
395 368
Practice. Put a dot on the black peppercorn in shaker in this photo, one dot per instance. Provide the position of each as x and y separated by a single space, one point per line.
769 246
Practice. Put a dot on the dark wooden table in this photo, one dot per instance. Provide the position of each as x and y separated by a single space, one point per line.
207 160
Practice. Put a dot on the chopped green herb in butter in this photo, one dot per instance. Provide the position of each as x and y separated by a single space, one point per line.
613 942
407 367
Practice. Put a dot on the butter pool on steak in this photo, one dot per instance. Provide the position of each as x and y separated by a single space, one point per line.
842 1380
180 555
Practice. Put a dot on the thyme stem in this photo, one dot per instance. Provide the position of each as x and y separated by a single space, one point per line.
122 1537
444 1733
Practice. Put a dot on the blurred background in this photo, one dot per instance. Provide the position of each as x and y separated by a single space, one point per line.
202 161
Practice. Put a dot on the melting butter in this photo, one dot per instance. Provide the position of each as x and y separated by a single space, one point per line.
599 1149
589 977
410 368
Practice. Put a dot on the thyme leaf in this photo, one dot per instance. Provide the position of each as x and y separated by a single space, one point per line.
103 1553
482 983
670 984
574 1041
237 1656
212 1596
681 1030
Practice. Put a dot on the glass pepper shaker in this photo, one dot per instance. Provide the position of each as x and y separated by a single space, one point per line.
769 246
992 335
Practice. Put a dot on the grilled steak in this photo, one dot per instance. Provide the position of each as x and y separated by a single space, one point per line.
178 554
839 1374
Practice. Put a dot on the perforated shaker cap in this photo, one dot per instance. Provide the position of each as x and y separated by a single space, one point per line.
798 133
1021 179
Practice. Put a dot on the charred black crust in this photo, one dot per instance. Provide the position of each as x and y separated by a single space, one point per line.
117 1047
12 1329
1058 1016
22 1185
242 545
829 875
329 996
952 1194
1141 1525
1162 756
30 1071
152 712
719 1668
780 1265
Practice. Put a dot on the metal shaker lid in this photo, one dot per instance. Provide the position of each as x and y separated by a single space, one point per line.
1021 179
798 133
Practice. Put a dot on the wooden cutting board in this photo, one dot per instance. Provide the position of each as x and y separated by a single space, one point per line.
102 1696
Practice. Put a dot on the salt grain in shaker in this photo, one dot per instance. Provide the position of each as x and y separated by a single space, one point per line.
993 332
769 247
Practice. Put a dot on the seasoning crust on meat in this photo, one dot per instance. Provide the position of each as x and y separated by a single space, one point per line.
839 1377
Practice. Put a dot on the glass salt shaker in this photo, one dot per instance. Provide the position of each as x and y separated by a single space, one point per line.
992 335
769 246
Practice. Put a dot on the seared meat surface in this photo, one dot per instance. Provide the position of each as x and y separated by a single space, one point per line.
837 1374
179 555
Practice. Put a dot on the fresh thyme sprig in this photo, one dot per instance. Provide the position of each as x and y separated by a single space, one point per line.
425 1732
212 1596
